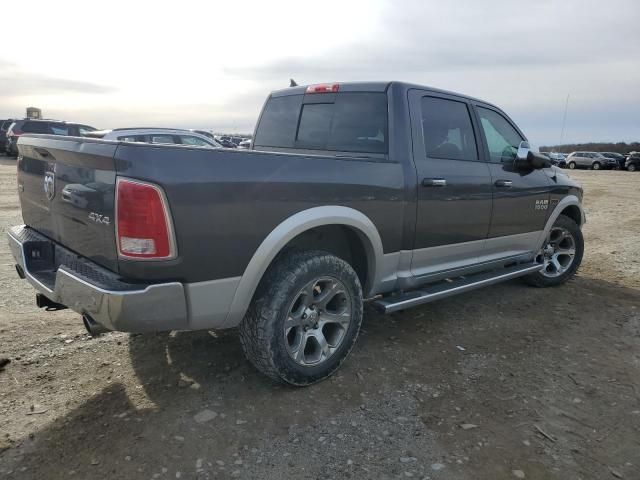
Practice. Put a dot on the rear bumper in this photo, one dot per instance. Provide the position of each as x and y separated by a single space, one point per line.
89 289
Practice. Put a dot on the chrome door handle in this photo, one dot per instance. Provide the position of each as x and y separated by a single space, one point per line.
434 182
503 183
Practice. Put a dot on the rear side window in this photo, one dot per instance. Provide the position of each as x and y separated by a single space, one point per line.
36 127
502 139
60 129
82 129
352 122
447 130
162 139
193 141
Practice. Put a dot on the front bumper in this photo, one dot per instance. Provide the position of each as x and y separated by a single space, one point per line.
85 287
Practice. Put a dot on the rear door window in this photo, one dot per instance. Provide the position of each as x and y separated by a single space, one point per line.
447 129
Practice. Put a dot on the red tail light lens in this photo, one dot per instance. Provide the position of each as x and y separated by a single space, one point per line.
323 88
143 223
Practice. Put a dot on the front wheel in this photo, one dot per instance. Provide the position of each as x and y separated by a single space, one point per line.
560 255
572 165
304 319
596 166
631 167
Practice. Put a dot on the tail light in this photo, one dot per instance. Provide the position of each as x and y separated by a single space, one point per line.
323 88
143 223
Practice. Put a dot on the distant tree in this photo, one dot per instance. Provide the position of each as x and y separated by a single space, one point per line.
620 147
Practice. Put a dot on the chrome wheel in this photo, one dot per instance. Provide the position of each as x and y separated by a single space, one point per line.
596 166
317 321
558 253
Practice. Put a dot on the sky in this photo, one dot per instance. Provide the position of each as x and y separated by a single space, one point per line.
210 64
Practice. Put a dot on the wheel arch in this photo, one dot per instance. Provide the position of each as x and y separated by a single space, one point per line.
569 206
291 229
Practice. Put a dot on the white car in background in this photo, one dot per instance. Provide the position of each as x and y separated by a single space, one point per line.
164 136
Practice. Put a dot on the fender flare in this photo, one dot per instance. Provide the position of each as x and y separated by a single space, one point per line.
291 228
569 200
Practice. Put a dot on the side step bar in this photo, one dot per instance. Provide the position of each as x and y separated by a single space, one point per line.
393 303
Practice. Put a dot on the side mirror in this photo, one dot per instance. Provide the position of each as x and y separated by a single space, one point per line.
527 159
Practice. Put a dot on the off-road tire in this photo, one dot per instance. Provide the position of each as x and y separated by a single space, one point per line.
571 165
262 329
537 279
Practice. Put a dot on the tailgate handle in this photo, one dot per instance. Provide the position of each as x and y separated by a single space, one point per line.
42 151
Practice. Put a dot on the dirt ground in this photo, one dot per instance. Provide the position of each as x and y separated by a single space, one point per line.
502 383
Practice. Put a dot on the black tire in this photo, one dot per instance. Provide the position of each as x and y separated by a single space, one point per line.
262 329
537 279
632 167
572 165
596 166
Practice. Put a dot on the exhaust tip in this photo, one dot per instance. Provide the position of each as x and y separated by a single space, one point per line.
20 272
93 328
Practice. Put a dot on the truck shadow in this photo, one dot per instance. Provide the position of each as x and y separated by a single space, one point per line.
133 431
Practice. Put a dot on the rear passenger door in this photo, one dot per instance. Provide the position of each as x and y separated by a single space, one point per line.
520 197
454 185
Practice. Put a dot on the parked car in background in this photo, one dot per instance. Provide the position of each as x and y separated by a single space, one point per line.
633 162
556 158
47 127
618 157
205 133
4 126
166 136
592 160
227 143
245 144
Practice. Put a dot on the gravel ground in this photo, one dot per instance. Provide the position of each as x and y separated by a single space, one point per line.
502 383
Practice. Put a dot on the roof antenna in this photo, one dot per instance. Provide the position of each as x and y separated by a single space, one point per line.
292 83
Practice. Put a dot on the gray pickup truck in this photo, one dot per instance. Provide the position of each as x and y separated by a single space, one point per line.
394 193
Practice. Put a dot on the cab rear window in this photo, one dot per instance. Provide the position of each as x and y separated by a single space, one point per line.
346 122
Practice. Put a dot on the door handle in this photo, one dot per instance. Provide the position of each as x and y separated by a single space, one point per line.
434 182
503 183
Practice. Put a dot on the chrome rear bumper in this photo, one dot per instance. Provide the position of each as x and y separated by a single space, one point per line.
115 304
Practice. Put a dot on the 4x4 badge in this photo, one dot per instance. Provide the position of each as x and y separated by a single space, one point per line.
50 185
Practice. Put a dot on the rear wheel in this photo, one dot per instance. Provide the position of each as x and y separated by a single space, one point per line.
596 166
304 318
561 254
572 165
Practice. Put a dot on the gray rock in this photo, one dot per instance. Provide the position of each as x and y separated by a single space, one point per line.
205 416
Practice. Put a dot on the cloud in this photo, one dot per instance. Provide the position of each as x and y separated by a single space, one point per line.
14 83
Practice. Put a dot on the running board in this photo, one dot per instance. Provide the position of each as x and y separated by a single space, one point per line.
445 289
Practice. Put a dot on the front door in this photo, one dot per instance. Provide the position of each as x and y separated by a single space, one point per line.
520 197
454 185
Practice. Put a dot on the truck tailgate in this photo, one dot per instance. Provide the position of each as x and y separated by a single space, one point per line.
66 187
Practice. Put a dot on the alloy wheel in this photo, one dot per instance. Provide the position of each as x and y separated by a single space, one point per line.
558 253
317 321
